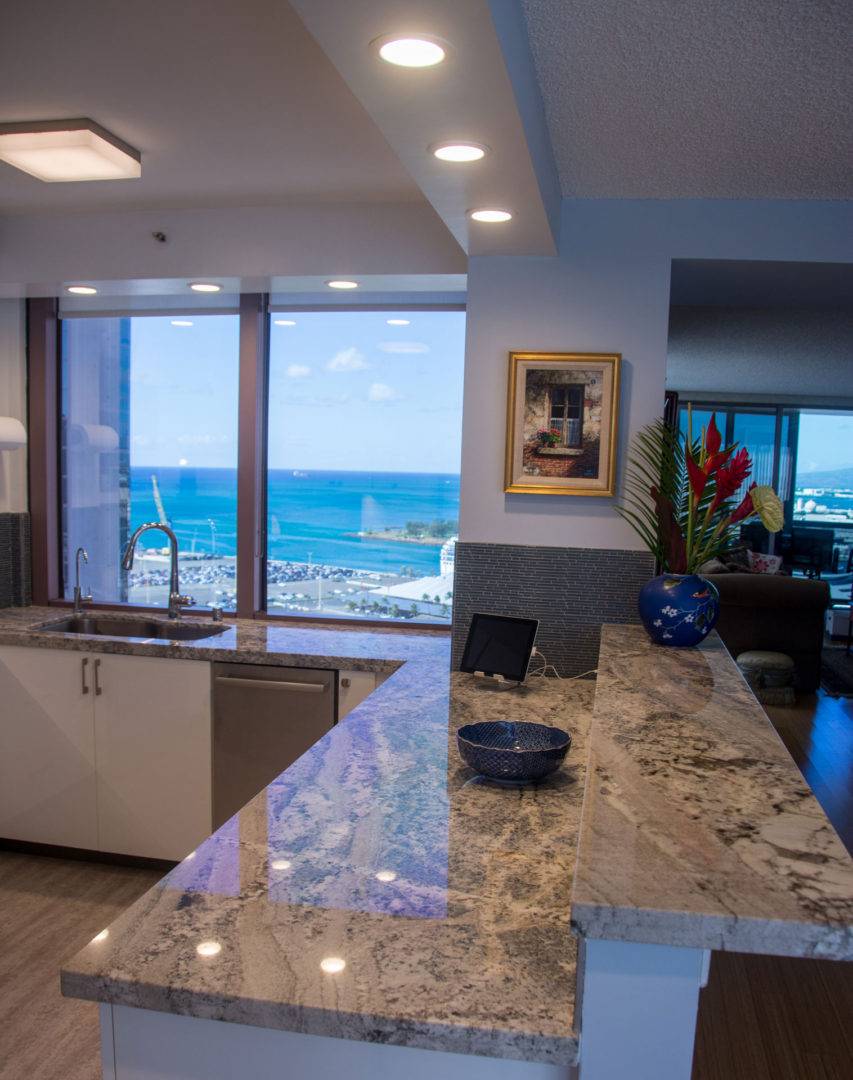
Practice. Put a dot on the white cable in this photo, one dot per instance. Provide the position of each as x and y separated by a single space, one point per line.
546 667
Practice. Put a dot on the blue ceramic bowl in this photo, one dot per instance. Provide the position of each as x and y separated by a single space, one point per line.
512 752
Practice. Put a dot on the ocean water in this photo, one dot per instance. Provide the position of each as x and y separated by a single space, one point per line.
311 516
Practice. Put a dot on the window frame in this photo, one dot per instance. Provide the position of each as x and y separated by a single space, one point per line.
780 412
44 481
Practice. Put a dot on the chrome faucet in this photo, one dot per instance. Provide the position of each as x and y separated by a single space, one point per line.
79 598
176 601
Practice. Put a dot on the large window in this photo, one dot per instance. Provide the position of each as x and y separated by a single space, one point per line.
149 433
807 456
365 423
360 480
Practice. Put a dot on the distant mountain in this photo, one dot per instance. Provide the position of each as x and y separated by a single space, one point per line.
827 478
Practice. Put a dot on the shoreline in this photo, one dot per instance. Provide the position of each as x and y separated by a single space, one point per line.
397 536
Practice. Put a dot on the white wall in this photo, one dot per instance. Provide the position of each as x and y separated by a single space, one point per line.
231 242
13 402
607 291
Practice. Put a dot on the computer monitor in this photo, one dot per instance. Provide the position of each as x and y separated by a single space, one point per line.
499 645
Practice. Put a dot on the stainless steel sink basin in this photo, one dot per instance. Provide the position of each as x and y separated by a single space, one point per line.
109 626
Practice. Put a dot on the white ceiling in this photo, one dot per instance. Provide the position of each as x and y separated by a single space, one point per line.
230 104
269 104
682 99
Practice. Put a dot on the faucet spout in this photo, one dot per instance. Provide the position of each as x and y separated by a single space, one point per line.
79 598
176 600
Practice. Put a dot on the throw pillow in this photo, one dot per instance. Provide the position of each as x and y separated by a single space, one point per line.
764 564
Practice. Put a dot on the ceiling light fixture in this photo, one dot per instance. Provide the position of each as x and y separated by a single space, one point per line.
284 322
459 151
490 214
82 290
411 50
68 150
398 322
181 322
205 286
337 284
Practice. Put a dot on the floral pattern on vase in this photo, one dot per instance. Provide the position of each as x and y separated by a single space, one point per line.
678 609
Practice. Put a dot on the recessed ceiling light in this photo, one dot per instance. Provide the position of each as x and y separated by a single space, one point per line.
459 151
68 150
205 286
82 290
284 322
398 322
181 322
208 948
337 284
411 50
490 214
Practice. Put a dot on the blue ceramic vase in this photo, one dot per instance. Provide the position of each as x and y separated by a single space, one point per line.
678 609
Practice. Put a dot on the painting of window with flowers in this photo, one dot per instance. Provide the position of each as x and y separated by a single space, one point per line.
561 423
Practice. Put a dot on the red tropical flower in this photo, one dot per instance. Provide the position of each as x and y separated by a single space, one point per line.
730 478
745 509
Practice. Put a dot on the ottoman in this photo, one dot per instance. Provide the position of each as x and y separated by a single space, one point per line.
770 675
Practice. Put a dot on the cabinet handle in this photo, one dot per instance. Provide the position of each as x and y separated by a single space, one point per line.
96 665
83 664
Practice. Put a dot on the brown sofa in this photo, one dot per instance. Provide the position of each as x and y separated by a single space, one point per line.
775 612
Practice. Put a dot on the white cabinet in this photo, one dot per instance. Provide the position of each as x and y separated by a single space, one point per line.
105 752
47 748
152 755
355 686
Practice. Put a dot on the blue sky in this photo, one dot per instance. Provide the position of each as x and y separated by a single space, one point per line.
826 442
348 390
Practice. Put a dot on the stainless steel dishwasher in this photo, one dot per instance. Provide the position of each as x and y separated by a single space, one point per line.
264 718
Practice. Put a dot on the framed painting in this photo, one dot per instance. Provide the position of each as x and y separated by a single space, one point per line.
562 417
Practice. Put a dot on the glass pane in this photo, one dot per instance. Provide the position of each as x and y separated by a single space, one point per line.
823 495
149 433
757 432
365 425
701 419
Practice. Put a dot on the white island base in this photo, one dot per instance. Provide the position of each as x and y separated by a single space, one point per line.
638 1020
139 1044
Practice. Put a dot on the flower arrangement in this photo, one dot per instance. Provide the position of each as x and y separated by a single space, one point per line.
549 437
692 516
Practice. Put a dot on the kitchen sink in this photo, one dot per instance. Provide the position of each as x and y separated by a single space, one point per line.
108 626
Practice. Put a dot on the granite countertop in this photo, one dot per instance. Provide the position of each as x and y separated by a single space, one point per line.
698 829
445 897
247 641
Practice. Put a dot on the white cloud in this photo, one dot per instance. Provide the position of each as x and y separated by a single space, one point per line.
404 346
347 360
295 371
382 393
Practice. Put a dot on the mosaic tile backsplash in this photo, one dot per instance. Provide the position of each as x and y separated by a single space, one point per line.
572 591
15 578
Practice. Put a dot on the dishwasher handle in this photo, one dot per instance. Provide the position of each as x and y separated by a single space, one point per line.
270 684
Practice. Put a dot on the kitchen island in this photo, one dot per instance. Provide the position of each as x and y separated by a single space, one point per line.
379 909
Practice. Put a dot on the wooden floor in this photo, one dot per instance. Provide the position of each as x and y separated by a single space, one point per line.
760 1018
49 909
773 1018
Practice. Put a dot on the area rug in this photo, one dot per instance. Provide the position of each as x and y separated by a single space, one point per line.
836 672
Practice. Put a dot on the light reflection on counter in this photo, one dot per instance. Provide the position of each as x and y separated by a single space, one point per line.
373 840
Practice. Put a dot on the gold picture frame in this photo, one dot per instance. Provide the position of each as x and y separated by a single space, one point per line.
562 419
